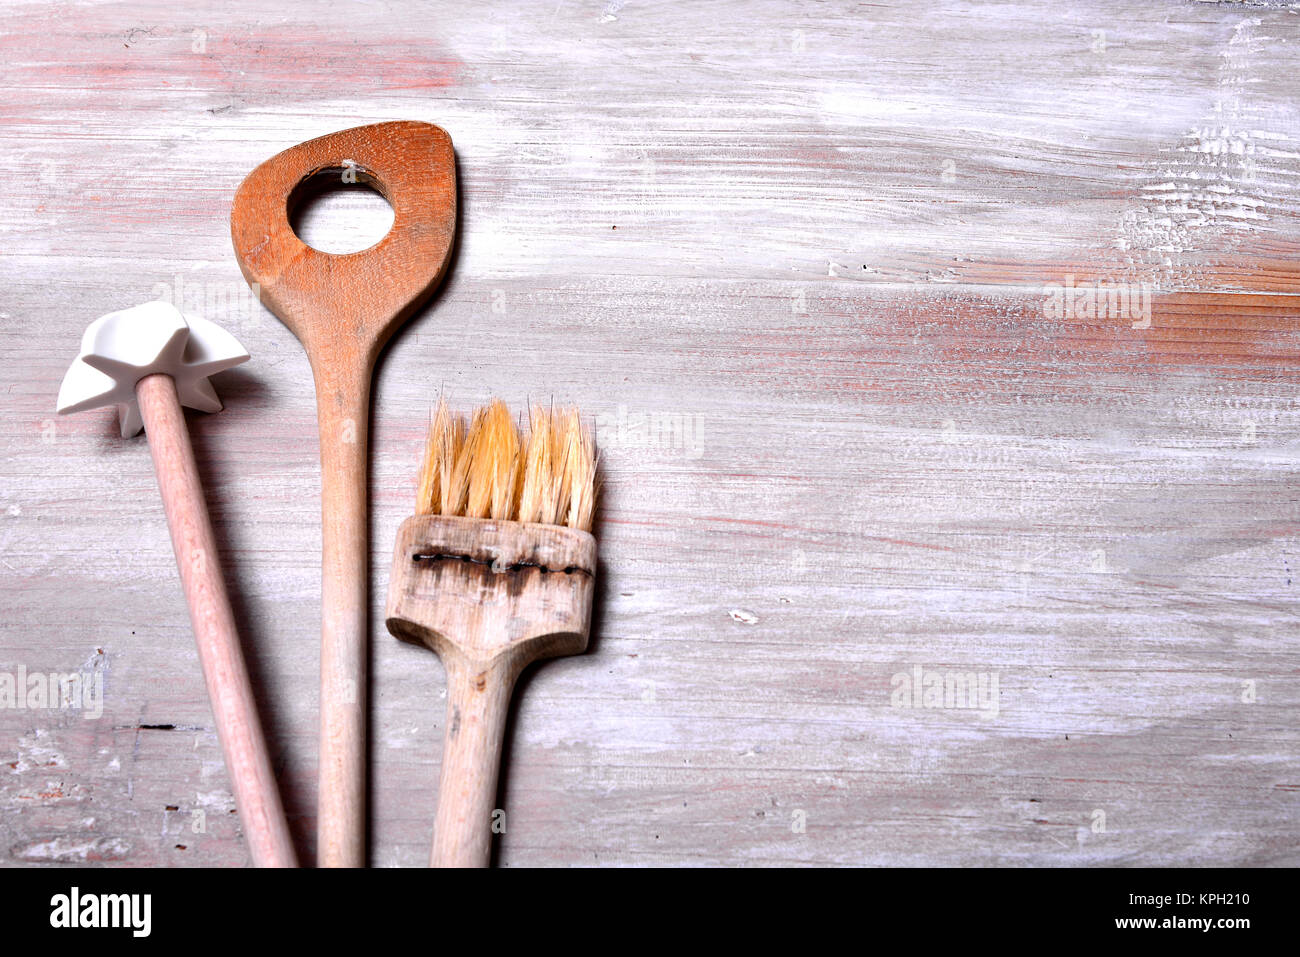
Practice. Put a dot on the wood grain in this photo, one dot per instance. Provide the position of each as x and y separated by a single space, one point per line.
343 308
794 259
490 598
242 743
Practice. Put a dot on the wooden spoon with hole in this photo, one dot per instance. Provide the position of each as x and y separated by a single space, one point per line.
343 308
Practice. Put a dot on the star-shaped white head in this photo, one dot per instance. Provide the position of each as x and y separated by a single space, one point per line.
120 349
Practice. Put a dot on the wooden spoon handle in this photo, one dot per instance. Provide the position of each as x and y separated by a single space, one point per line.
478 700
343 308
224 672
343 414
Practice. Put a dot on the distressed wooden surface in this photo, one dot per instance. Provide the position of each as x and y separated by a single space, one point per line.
811 242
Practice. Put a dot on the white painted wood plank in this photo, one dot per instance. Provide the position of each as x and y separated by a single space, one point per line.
810 242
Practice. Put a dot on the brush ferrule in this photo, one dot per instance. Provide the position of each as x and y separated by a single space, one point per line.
484 589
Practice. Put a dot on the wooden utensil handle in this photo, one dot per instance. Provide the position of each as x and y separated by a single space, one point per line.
343 308
222 659
478 700
343 409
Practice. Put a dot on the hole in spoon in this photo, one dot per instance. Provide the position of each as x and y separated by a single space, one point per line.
339 210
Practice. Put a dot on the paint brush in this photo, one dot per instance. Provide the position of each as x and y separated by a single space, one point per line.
495 570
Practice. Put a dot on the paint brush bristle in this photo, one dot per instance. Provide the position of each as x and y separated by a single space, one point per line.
492 471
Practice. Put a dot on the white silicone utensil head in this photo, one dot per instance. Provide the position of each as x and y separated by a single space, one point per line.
121 348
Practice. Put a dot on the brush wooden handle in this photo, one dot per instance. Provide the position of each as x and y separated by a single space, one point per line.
490 598
224 672
343 308
342 399
478 703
